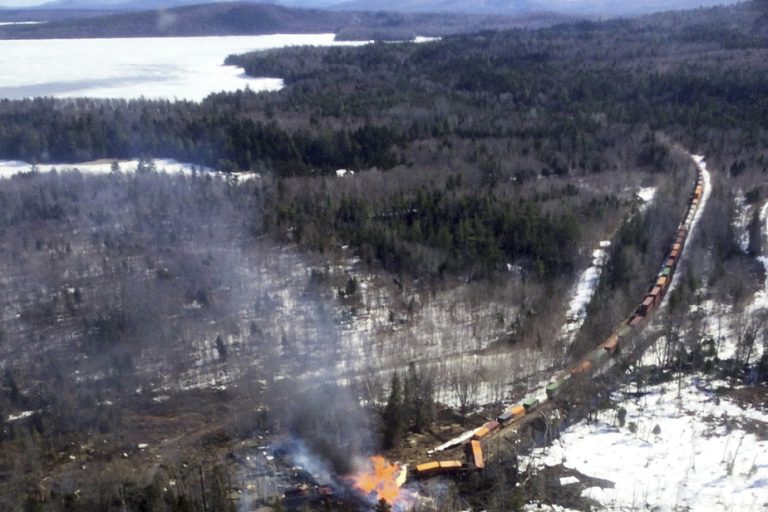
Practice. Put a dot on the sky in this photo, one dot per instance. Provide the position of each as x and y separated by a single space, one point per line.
20 3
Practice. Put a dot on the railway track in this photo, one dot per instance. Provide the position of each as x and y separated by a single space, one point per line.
575 391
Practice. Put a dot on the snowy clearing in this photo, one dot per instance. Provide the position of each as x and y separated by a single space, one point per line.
708 452
184 68
20 416
584 290
10 168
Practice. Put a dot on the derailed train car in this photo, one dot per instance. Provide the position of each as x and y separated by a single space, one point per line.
441 467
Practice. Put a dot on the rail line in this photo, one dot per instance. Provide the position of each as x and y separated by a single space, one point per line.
515 417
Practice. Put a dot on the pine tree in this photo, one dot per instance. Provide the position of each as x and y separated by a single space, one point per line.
417 399
221 348
393 414
383 506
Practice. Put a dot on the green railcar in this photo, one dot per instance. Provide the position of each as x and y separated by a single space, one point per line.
598 355
553 388
530 403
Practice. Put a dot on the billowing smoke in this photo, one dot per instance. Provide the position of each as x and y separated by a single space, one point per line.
332 424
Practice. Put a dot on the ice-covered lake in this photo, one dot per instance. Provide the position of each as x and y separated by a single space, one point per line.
187 68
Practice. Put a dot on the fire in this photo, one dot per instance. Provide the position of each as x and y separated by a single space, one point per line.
380 478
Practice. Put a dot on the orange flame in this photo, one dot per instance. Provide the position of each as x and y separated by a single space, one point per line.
380 478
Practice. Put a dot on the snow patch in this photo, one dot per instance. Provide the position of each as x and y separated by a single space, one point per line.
11 23
584 291
20 416
646 194
544 507
741 221
10 168
680 448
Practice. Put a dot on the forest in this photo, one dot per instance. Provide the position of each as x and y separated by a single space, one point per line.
481 171
568 101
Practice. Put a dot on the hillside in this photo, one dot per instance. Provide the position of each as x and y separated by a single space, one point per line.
406 226
578 8
46 15
236 18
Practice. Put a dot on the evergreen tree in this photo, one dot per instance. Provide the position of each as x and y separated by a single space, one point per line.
221 348
418 402
393 414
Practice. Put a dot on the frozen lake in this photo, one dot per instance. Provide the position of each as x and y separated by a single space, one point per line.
188 68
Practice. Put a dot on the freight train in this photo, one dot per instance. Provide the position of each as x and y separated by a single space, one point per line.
591 361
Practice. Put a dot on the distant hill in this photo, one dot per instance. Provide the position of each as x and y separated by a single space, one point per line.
129 5
580 8
239 18
39 14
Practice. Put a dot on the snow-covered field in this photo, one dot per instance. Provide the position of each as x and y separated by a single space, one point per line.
10 168
708 453
188 68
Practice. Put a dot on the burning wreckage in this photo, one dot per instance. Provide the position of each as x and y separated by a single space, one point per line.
290 473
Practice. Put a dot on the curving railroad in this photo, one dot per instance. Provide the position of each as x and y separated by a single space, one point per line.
512 418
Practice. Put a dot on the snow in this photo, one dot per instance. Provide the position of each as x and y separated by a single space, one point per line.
188 68
8 23
584 290
741 221
20 416
425 39
646 194
761 297
706 455
543 507
10 168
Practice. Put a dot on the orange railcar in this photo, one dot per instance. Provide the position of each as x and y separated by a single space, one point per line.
582 367
477 454
511 414
611 344
486 430
438 467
